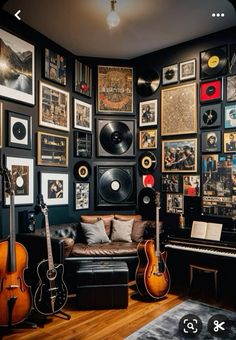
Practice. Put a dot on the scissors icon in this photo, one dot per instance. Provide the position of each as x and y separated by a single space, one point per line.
218 326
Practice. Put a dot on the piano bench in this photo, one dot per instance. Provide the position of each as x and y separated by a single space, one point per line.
204 270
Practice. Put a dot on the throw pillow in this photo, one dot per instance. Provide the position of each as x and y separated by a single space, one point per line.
121 230
138 231
95 233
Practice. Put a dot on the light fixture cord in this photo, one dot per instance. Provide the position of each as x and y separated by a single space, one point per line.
113 2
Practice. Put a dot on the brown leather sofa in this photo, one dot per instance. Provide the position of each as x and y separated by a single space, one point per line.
69 245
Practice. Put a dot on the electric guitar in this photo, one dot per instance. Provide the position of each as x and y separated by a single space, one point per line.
51 293
152 276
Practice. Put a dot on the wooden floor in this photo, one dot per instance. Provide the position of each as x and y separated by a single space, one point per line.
97 324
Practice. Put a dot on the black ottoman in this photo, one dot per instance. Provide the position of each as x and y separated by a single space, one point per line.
102 284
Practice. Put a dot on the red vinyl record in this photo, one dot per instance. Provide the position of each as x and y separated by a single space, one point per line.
148 181
211 91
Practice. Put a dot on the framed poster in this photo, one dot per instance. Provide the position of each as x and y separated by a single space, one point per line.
170 183
187 70
18 62
22 171
148 113
230 141
54 188
82 115
1 129
211 141
82 144
147 139
179 155
19 130
55 67
230 116
231 88
179 110
81 196
211 91
115 89
191 185
83 79
54 107
170 74
175 203
210 115
52 150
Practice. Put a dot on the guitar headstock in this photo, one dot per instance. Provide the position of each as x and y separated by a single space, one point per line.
42 204
158 199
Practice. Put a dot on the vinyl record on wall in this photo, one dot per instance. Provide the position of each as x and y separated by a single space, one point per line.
148 82
115 138
148 180
214 62
211 91
210 115
82 170
146 199
147 162
170 74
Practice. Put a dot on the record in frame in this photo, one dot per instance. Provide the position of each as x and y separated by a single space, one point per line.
18 80
211 91
82 144
81 196
187 70
52 150
54 188
19 130
170 74
210 115
148 113
214 62
83 79
230 116
147 139
82 115
55 67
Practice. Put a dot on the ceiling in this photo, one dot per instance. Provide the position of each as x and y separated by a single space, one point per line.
145 25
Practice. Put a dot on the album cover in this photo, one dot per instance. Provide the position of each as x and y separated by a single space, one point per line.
211 141
211 91
210 115
170 183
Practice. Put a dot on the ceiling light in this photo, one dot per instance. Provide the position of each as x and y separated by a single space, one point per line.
113 18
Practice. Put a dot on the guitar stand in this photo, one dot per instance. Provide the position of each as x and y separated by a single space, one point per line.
66 316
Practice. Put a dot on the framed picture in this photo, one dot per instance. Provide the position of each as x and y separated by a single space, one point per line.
148 139
82 144
230 116
211 91
1 129
82 115
52 150
115 89
179 155
18 58
174 203
148 113
54 107
230 141
55 67
54 188
211 141
214 62
231 88
81 196
83 79
191 185
170 183
179 110
232 63
187 70
170 74
22 171
210 115
19 130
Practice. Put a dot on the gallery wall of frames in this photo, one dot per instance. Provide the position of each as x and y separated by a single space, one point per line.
103 135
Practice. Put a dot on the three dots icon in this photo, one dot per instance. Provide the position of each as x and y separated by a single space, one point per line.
217 15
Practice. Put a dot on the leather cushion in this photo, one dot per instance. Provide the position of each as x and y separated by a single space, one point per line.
124 217
138 230
60 230
68 246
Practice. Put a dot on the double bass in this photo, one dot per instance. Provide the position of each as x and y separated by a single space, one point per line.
15 295
152 275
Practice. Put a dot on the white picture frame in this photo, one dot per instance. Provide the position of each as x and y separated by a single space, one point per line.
82 115
187 70
54 188
148 113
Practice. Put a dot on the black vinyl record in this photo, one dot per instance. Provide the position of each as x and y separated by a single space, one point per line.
146 199
115 185
147 162
82 170
214 62
148 83
19 130
116 137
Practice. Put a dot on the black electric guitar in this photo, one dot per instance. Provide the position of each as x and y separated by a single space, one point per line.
51 293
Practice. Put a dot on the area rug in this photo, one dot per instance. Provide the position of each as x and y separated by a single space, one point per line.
166 326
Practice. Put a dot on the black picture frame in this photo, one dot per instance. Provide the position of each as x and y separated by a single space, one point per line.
211 141
54 67
82 195
170 183
82 144
19 130
213 62
83 79
210 115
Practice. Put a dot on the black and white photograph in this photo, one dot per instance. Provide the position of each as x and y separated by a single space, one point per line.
82 144
187 70
211 141
170 74
170 183
81 196
174 203
55 67
230 116
148 113
231 88
19 130
82 115
17 71
54 188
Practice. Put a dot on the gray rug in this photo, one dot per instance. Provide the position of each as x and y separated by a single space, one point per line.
166 326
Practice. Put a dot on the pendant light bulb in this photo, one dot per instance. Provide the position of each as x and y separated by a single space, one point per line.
113 18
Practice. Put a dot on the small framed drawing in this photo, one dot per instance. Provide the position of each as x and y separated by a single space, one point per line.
230 142
187 70
148 139
211 91
148 113
55 67
174 203
230 116
82 115
231 88
81 196
191 185
22 171
211 141
19 130
83 79
82 144
210 115
170 74
179 155
1 129
54 107
170 183
52 150
54 188
18 61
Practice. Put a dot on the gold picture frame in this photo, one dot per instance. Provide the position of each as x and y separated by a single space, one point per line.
230 142
115 89
148 139
179 110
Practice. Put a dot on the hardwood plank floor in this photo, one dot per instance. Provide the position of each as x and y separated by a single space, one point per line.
107 324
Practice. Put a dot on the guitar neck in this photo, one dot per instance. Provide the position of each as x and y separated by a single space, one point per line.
157 232
49 245
12 239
